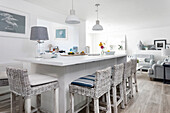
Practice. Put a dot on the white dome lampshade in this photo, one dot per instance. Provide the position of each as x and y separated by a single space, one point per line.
72 18
97 26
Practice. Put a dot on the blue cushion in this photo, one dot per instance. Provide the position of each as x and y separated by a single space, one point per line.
86 81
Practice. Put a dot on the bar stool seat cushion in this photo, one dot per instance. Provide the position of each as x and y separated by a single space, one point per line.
86 81
3 75
3 79
39 79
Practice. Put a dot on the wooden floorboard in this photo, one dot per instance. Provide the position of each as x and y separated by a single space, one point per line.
153 97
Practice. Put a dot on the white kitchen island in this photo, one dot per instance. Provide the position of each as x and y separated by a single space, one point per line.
67 69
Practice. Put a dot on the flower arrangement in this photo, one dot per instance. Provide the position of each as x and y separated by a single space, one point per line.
101 45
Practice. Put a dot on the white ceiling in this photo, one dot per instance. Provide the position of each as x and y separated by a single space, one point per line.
134 14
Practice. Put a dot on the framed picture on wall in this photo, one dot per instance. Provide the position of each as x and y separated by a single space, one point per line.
61 33
160 44
13 23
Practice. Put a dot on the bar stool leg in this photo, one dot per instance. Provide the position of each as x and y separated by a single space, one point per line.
114 99
124 89
96 105
38 101
108 102
13 103
136 82
122 95
131 86
21 103
71 102
87 108
56 98
28 105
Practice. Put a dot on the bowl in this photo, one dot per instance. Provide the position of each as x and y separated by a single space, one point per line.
110 53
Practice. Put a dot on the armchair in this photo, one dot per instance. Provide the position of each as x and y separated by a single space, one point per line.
157 71
145 60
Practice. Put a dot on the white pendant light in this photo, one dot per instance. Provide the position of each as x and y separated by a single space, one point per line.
72 18
97 26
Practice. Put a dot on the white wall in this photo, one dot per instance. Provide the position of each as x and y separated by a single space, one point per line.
63 44
11 47
94 39
147 36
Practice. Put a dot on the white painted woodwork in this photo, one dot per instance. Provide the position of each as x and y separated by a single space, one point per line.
56 98
67 69
28 105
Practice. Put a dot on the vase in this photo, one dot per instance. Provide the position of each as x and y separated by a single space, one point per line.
102 52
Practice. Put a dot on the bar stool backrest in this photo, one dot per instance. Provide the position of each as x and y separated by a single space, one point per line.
117 74
102 81
18 81
134 64
127 69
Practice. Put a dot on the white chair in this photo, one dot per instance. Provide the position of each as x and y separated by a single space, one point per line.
127 78
93 86
27 86
117 80
133 69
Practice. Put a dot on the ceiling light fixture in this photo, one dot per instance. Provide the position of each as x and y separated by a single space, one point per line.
72 18
97 26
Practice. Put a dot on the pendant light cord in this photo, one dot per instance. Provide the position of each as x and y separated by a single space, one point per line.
97 5
72 4
97 12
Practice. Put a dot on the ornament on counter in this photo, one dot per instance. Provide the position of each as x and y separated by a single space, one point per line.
82 53
75 49
120 47
50 47
140 45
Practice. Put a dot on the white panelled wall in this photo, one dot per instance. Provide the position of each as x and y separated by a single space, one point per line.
12 47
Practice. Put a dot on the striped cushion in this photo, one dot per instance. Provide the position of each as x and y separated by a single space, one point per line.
86 81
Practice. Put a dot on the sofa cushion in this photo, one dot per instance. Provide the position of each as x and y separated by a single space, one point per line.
86 81
147 60
39 79
141 59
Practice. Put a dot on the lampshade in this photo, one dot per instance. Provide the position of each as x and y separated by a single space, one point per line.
72 18
39 33
97 26
165 52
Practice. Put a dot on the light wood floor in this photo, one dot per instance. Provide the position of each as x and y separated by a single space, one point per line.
153 97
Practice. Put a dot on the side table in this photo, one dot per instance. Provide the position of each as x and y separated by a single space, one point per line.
166 65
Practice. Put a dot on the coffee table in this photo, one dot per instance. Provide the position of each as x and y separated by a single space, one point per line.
139 68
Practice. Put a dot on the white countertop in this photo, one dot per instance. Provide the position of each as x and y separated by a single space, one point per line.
69 60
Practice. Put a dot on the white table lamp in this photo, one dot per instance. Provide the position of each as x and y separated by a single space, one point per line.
39 33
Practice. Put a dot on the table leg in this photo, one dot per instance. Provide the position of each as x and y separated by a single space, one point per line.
140 70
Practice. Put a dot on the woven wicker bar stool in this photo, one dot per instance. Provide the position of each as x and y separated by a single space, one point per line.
93 86
127 78
117 80
134 64
27 86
